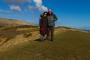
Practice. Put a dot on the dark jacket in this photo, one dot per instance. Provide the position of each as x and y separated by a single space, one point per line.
43 25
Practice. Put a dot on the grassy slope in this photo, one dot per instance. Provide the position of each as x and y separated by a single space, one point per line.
11 22
69 45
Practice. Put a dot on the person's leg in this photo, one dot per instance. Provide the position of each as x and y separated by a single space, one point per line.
52 33
45 37
41 35
48 33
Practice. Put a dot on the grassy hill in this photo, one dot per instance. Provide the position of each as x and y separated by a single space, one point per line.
13 32
11 22
68 44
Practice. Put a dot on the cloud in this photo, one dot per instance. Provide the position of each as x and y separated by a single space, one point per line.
14 4
38 1
43 8
15 7
40 6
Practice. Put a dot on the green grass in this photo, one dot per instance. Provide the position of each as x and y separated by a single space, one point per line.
71 45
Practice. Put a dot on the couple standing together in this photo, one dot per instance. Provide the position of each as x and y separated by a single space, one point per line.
47 24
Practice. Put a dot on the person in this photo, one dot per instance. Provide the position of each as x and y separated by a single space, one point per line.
51 24
43 26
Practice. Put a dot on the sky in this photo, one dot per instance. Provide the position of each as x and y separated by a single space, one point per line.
73 13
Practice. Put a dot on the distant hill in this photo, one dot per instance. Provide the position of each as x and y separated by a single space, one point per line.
85 28
11 22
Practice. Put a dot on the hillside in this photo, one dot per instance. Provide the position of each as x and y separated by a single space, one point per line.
68 44
11 22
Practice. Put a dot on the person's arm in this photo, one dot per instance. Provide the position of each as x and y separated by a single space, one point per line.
55 17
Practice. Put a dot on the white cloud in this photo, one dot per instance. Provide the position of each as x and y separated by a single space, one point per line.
38 1
42 8
39 5
15 8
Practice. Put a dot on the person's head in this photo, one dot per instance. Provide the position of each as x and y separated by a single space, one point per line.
45 14
50 12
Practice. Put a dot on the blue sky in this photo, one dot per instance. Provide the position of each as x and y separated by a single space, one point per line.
74 13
